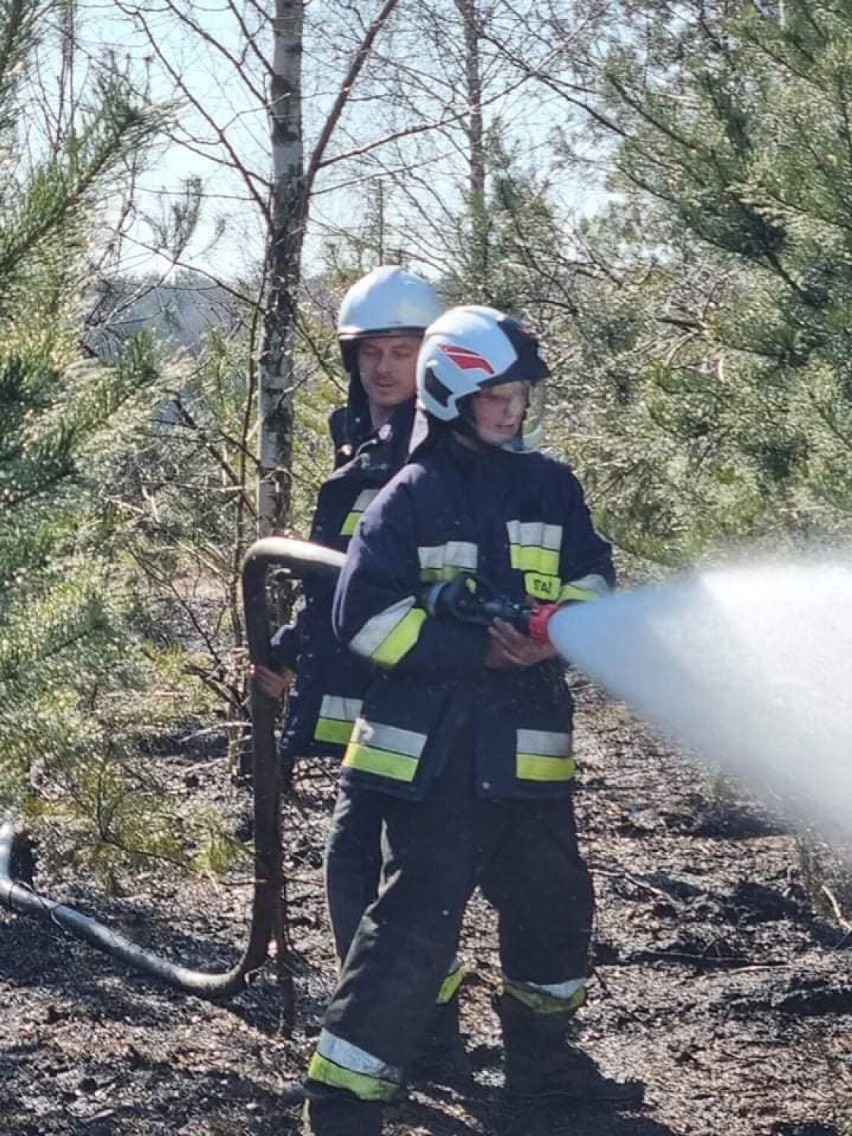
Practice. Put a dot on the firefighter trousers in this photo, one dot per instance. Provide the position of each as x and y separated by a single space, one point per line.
523 855
352 863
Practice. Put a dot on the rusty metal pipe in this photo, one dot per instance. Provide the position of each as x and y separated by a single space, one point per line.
299 559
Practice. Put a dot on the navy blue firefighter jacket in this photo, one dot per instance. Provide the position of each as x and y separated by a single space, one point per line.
520 522
326 697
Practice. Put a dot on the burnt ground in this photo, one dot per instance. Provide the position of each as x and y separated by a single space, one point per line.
717 983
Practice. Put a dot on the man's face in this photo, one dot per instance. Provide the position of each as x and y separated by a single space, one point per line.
499 411
387 365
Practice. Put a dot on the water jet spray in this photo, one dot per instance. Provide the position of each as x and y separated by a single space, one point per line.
748 665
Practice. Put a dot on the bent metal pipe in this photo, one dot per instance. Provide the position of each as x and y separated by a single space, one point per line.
299 559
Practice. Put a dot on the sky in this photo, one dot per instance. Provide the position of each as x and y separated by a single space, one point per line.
197 57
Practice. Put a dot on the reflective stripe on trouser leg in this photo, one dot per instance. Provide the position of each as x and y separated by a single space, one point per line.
450 985
341 1065
445 561
548 998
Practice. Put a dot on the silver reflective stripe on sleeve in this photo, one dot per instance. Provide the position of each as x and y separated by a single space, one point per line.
387 636
535 533
364 498
444 561
591 583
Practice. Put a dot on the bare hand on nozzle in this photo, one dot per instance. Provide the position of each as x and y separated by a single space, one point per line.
508 647
273 684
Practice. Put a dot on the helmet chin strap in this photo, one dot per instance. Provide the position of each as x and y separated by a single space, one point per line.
465 427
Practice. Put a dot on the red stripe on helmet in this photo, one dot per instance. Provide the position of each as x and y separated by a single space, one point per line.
465 359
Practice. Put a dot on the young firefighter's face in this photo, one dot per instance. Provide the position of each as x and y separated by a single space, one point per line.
387 365
499 411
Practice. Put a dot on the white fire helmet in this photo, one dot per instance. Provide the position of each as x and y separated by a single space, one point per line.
470 349
387 301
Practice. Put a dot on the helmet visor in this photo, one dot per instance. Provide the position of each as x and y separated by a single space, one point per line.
508 415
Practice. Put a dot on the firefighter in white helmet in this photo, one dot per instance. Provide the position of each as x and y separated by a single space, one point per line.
380 326
465 732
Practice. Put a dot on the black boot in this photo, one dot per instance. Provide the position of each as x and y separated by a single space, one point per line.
542 1065
442 1058
293 1094
342 1114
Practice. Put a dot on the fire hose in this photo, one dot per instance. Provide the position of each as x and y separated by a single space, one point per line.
298 559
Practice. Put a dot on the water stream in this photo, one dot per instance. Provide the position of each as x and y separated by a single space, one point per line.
750 666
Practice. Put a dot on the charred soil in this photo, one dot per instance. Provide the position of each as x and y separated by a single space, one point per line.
717 983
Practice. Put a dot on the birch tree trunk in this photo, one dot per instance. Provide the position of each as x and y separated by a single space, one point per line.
283 268
474 131
293 181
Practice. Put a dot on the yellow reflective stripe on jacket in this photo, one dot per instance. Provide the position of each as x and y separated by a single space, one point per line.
554 999
386 637
358 506
584 590
336 717
542 561
440 562
534 546
387 751
342 1065
544 755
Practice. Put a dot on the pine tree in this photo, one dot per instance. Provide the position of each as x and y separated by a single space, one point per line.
722 335
65 648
